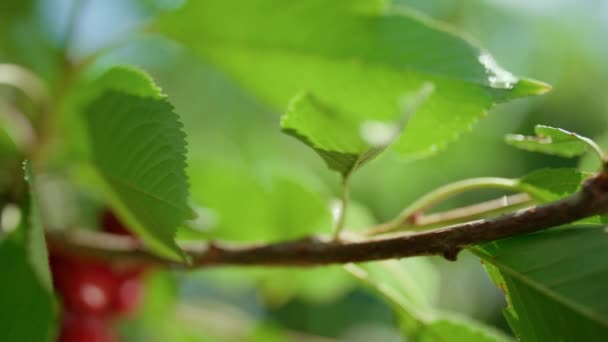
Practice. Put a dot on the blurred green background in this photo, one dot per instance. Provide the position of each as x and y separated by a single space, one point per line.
243 170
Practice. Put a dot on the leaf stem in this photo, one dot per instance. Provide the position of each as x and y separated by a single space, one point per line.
442 193
472 212
594 147
341 220
478 211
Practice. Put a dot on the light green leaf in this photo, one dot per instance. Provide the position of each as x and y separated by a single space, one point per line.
411 287
333 135
244 204
360 56
549 140
125 79
547 185
458 329
555 282
28 310
138 149
342 142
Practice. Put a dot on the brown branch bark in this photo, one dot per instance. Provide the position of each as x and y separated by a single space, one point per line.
591 200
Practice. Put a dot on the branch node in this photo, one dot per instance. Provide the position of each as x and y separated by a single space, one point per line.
451 253
414 218
213 249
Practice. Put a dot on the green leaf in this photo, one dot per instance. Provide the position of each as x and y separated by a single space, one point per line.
138 149
342 142
455 328
549 140
333 135
358 55
245 204
28 310
36 243
125 79
547 185
411 287
555 282
9 157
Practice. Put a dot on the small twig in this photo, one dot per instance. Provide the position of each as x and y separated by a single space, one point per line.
591 200
483 210
442 193
488 209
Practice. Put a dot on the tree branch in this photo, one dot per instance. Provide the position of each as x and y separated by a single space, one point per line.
591 200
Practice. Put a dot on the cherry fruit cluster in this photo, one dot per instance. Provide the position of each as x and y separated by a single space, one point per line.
94 293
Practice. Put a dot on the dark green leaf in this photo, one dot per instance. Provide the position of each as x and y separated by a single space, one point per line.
138 148
555 282
549 140
28 309
359 55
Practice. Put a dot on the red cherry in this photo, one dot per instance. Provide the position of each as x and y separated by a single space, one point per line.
85 328
61 267
128 293
88 287
111 224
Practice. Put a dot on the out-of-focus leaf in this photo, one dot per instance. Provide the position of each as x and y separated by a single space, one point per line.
458 329
158 320
244 206
551 184
138 149
24 39
34 232
9 158
411 286
28 311
549 140
554 282
359 55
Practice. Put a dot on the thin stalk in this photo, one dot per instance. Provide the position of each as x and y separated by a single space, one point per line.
492 208
442 193
594 147
341 220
